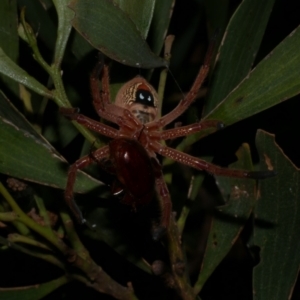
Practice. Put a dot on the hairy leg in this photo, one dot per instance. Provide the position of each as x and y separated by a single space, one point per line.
78 165
203 165
190 129
190 97
101 98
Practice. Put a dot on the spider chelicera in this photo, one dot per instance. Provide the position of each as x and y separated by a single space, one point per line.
132 151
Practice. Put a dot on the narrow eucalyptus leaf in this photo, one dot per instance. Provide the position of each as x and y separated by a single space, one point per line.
140 12
237 53
103 24
277 223
12 70
275 79
27 155
9 40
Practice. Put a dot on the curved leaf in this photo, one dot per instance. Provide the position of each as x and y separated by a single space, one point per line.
9 40
27 155
109 29
229 219
277 224
275 79
237 53
140 12
161 18
12 70
65 15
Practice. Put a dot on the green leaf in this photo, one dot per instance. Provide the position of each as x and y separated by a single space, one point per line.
34 292
109 29
229 219
159 27
12 70
237 53
37 15
275 79
140 12
277 224
80 47
9 40
27 155
65 15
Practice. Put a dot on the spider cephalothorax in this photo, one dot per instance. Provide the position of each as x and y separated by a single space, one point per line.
140 98
134 145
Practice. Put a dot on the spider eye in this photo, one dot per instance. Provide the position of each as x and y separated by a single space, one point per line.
144 97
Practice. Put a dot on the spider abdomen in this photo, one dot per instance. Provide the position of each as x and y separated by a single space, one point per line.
133 169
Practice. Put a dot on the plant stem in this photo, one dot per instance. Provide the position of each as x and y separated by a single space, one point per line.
22 217
178 264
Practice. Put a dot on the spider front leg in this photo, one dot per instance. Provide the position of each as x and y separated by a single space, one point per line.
203 165
101 98
78 165
191 95
103 129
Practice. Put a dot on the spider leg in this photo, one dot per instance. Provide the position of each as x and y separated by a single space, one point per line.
101 98
164 200
72 114
78 165
190 97
189 129
203 165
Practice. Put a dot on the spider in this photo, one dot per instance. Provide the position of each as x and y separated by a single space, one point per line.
132 151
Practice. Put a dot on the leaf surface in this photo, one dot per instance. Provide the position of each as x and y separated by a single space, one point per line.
13 71
238 49
27 155
9 40
275 79
161 18
229 219
277 218
140 12
103 24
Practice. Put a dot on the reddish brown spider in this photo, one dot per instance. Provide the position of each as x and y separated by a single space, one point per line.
132 151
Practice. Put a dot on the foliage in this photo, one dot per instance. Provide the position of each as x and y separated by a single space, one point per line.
45 64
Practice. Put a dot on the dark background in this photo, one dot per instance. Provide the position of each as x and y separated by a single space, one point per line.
232 279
